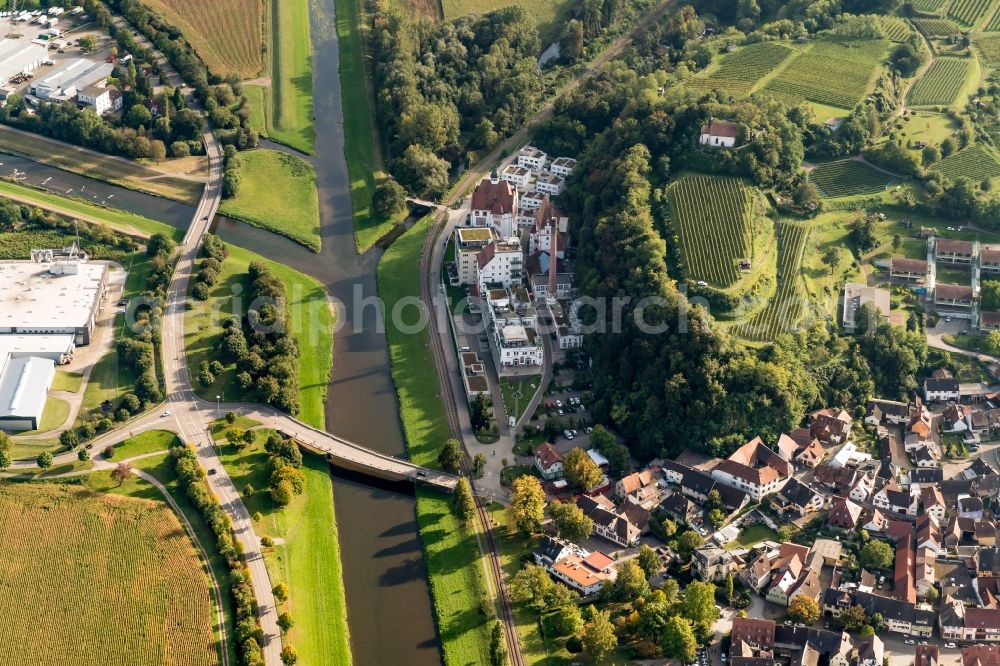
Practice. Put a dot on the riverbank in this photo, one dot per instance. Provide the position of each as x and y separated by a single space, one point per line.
277 192
290 111
454 562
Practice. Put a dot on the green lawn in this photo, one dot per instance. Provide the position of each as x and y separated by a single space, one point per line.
277 192
307 558
752 535
30 448
258 96
67 381
54 415
291 109
145 442
162 468
453 559
82 209
517 393
311 323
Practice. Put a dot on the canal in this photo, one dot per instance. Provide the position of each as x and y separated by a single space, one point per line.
389 604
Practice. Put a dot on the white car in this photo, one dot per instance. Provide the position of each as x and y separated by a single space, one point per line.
910 641
702 283
166 413
568 434
950 645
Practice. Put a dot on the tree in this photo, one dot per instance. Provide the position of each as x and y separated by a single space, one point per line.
580 469
138 116
679 640
121 472
498 645
570 520
4 460
631 582
698 603
45 460
423 172
388 199
157 150
730 589
533 587
285 622
282 493
803 610
69 439
527 506
570 620
83 454
831 256
877 622
463 502
853 618
479 413
930 155
876 554
688 542
669 527
234 436
280 592
599 638
87 43
571 44
479 464
450 456
649 561
288 655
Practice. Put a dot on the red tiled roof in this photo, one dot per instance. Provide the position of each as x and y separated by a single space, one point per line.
548 455
953 246
498 198
904 265
721 128
953 291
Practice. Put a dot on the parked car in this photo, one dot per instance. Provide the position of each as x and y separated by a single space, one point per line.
569 434
950 645
910 641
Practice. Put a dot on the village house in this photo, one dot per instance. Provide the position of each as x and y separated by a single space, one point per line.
970 507
698 485
635 487
608 522
943 389
550 184
587 575
952 296
714 563
891 498
877 523
562 166
844 514
928 533
886 412
863 487
980 655
552 549
901 617
753 468
830 426
933 502
989 259
908 270
926 655
989 321
494 205
924 456
797 498
958 623
792 579
549 462
721 133
950 251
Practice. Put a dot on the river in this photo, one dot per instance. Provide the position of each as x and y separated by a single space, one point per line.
389 604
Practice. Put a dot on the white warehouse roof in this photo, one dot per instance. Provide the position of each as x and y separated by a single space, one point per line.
18 345
33 300
18 56
24 385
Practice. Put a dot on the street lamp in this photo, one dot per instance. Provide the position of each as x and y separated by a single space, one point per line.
217 407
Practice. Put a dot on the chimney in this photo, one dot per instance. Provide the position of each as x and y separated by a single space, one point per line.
552 264
494 177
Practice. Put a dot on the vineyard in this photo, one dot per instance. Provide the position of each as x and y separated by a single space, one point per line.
989 50
713 221
942 83
973 162
739 72
968 12
97 579
935 27
848 178
836 73
929 6
896 29
789 302
993 25
226 34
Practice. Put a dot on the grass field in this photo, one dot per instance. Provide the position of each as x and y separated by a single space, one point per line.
453 559
968 12
549 15
311 323
752 535
739 72
973 162
307 557
128 174
833 72
928 126
291 108
226 35
86 211
941 84
149 441
277 193
110 579
788 305
714 223
258 97
364 160
935 27
849 177
54 414
67 381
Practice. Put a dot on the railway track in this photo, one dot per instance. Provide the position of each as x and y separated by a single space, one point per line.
427 283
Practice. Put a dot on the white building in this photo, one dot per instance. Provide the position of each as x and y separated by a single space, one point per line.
562 166
499 263
855 295
101 100
469 242
24 385
531 158
17 57
495 204
66 81
550 183
514 339
722 133
517 176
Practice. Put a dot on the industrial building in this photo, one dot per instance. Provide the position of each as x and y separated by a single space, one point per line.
18 57
48 306
66 81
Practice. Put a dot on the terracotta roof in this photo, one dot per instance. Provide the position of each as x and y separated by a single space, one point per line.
989 318
575 568
953 291
548 455
931 496
904 265
598 560
498 198
989 255
637 480
953 246
844 512
753 630
721 128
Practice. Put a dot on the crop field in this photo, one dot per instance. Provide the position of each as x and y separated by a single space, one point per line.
848 178
740 71
935 27
95 579
788 304
968 12
989 50
941 84
896 29
713 219
993 25
836 73
930 6
974 162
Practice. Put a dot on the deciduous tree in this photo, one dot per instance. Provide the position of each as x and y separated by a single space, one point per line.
649 561
527 506
803 609
580 469
599 639
679 640
121 472
572 523
450 457
464 503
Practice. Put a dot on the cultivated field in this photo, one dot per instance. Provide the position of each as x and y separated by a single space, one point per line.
226 34
788 304
989 50
993 25
848 178
968 12
95 579
896 29
935 27
928 5
973 162
835 73
713 219
740 71
941 84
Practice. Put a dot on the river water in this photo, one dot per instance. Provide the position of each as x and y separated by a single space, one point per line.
389 605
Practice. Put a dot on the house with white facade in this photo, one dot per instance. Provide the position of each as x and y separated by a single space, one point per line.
531 158
469 242
499 263
940 389
495 204
562 166
720 133
755 469
550 184
101 99
549 462
517 176
891 498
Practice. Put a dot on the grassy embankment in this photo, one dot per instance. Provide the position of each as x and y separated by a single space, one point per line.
361 148
128 174
80 564
306 554
278 193
289 119
311 323
454 563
